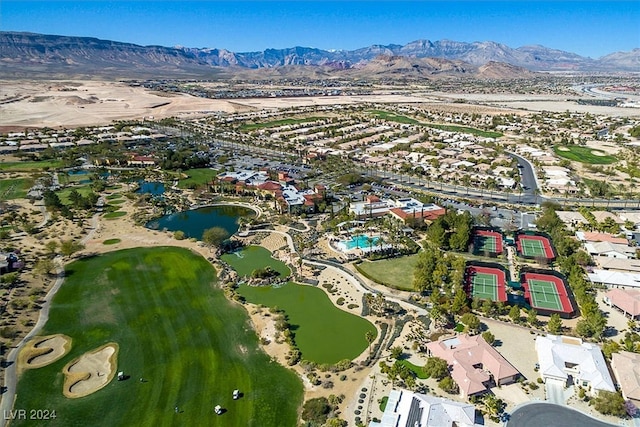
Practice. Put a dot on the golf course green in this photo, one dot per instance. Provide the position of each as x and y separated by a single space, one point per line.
176 331
323 332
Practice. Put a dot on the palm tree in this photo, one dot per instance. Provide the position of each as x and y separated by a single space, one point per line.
370 337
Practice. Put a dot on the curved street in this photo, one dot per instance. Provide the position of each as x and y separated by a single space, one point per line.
540 414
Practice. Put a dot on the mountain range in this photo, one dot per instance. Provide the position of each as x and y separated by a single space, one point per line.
41 55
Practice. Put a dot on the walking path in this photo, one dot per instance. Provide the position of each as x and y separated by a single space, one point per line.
10 376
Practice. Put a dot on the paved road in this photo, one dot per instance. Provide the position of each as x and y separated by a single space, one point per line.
550 415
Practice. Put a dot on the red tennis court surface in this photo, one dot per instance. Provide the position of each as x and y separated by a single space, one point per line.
485 283
547 293
487 241
534 246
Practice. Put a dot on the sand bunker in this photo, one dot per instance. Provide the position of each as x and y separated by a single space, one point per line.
563 148
90 372
42 351
598 153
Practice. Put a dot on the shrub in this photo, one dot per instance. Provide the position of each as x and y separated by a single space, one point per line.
340 301
316 410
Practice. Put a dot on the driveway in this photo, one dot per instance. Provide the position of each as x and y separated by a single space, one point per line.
550 415
555 391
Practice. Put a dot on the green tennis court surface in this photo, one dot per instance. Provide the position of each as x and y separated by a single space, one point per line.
532 248
485 286
485 244
544 295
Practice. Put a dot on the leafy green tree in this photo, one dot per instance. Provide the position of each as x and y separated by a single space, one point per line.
370 337
44 267
396 352
436 368
316 410
459 303
514 313
492 406
554 326
70 247
609 347
610 403
448 385
472 322
532 317
437 235
489 337
214 236
51 246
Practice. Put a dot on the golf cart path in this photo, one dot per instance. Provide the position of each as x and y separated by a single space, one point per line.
11 377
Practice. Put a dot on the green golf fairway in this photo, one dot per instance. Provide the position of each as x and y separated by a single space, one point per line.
254 257
176 330
324 333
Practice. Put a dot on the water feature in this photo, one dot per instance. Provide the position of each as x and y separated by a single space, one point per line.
194 222
80 176
156 189
361 241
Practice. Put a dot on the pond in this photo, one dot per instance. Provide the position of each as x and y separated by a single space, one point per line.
153 188
194 222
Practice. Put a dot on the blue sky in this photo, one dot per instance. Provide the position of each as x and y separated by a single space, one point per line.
589 28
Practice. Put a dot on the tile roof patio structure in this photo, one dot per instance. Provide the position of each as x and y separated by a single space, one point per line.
627 300
475 365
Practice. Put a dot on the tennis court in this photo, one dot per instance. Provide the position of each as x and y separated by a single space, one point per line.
547 293
487 241
534 247
486 283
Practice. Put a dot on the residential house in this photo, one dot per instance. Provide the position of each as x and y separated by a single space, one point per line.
614 279
600 216
570 361
475 365
626 368
407 409
572 219
612 250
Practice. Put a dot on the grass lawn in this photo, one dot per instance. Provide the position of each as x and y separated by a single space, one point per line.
197 177
174 329
323 332
392 117
395 272
415 369
276 123
252 258
114 196
111 241
114 215
30 165
15 188
584 154
64 193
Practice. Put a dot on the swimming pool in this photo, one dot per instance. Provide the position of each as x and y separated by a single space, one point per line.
361 241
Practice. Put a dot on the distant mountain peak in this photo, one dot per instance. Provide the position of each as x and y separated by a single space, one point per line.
67 54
